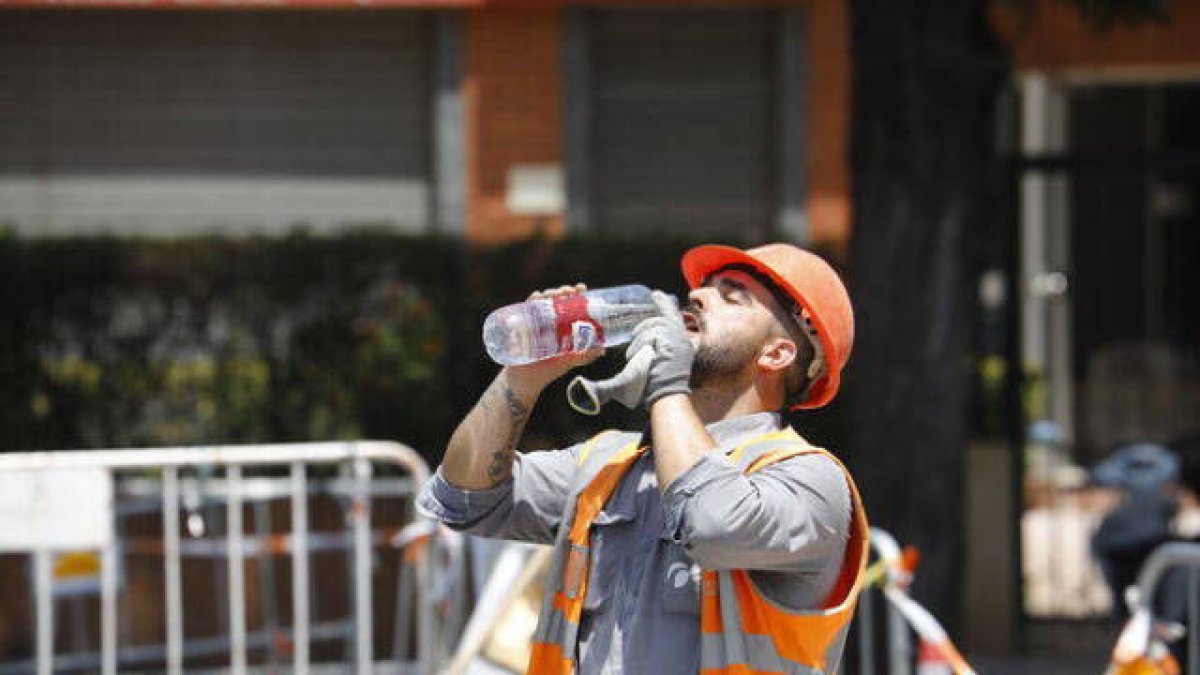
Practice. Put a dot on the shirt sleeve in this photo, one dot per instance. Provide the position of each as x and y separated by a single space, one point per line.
779 517
528 507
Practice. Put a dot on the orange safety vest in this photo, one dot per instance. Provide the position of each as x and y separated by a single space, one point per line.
741 631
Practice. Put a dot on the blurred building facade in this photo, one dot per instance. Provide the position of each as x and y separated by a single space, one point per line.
1105 194
491 119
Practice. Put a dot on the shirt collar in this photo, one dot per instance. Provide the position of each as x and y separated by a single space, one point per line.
728 433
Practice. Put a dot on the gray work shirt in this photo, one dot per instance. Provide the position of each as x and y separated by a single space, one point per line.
788 522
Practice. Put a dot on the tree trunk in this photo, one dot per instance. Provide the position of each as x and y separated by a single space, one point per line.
926 77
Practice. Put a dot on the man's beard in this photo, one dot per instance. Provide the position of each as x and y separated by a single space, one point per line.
716 364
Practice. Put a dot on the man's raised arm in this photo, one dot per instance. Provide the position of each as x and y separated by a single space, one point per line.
480 452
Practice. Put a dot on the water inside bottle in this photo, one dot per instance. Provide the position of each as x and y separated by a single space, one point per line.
527 332
618 321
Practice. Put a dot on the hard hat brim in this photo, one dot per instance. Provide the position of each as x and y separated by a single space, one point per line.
702 261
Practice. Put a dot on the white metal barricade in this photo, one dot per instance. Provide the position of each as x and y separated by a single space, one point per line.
887 583
29 472
1142 644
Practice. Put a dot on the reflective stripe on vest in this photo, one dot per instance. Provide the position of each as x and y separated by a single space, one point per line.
553 649
742 632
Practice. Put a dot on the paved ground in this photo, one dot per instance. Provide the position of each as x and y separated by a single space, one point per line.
1064 647
1036 666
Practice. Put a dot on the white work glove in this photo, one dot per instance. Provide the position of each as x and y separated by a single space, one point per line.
671 367
588 396
658 362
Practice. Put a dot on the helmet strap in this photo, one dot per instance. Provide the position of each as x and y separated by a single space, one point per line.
816 368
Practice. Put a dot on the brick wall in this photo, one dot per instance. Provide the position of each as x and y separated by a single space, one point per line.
513 99
1056 38
828 133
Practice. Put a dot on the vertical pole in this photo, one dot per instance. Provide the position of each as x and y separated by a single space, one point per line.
866 631
1153 227
423 601
577 118
791 221
361 521
449 151
171 570
1193 629
108 609
237 569
43 588
299 568
1014 401
266 580
405 606
899 647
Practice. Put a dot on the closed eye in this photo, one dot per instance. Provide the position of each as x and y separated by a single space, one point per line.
731 289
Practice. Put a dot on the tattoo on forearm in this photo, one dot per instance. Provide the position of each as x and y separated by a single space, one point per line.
518 413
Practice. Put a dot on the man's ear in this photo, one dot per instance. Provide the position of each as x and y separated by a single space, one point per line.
777 354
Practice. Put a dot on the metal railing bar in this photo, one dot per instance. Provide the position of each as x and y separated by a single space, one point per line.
381 668
866 631
108 609
401 626
361 520
266 578
1162 559
171 564
346 504
425 615
1193 616
300 614
44 590
1140 632
143 495
246 455
252 545
143 655
358 537
237 570
899 642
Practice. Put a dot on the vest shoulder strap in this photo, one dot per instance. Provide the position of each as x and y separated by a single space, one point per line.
766 449
603 445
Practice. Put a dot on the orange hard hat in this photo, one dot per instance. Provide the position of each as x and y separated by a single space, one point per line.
820 298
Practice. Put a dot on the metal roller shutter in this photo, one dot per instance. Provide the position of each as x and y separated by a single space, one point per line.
683 108
177 122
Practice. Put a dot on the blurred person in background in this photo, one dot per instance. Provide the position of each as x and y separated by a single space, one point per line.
1146 478
716 539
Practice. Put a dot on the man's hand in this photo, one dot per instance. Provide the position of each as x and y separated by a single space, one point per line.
534 377
481 450
671 367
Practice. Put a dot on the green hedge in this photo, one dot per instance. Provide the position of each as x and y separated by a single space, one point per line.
116 343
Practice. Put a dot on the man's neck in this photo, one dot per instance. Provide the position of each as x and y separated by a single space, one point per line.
716 403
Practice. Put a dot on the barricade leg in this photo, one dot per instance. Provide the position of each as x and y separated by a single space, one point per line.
866 632
299 568
237 582
361 519
43 587
108 609
899 643
1193 616
171 570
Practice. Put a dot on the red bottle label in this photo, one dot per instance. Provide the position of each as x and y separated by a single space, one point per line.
570 310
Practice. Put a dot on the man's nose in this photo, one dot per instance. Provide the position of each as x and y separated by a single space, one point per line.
696 297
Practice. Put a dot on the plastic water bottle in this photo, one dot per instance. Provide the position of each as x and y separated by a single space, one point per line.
539 329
